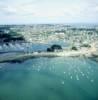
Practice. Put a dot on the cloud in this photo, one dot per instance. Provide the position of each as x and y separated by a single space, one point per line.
50 10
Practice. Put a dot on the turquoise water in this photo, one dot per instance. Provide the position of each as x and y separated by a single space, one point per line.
49 79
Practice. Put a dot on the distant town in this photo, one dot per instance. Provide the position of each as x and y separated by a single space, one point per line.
49 40
49 33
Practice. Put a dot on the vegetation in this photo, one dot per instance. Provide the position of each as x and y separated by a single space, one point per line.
54 47
86 45
74 48
5 37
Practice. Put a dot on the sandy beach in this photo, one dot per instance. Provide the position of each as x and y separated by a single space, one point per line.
91 52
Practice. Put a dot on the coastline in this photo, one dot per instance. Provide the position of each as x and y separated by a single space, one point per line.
89 53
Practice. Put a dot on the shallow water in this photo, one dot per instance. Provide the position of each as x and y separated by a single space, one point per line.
49 79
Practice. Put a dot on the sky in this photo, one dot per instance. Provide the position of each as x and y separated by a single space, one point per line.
48 11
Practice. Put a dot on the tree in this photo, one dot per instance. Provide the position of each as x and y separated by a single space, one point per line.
54 47
74 48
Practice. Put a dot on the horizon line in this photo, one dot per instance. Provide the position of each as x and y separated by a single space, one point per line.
91 23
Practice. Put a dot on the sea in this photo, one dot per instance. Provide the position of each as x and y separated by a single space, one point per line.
57 78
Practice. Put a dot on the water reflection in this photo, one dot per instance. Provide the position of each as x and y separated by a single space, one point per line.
49 78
